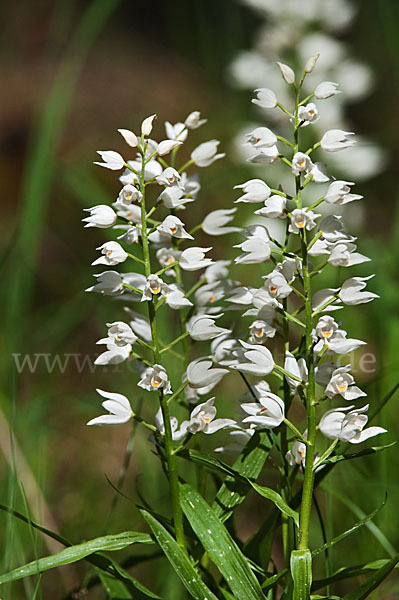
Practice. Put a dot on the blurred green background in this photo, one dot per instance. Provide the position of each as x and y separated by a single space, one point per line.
72 73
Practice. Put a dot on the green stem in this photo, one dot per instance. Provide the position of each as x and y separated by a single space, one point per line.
307 491
135 258
170 457
175 341
296 431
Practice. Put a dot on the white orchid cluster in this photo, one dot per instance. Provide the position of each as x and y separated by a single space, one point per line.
299 30
284 308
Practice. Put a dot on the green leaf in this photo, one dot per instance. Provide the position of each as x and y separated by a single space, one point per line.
325 597
365 452
363 592
179 560
348 572
236 485
249 464
75 553
301 572
115 588
277 500
357 525
220 546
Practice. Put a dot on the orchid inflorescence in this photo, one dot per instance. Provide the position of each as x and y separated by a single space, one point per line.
279 306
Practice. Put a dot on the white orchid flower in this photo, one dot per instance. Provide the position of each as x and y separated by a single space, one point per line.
178 131
261 137
337 139
297 454
167 146
203 419
112 160
267 413
113 254
335 424
128 194
101 216
256 249
340 344
221 348
117 405
339 192
193 121
318 172
276 285
205 154
274 208
302 219
289 267
308 114
153 286
326 89
175 298
200 373
214 223
193 259
140 325
266 98
326 327
321 297
260 330
297 368
254 359
131 235
351 292
166 256
265 156
114 355
155 378
255 190
177 433
342 383
173 197
203 327
173 226
300 162
108 283
168 177
119 334
217 271
343 255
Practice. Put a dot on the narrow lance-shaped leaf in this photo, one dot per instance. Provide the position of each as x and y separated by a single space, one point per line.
342 536
220 546
75 553
364 591
179 560
249 464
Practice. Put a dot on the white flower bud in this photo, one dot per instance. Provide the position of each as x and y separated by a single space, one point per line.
146 125
287 73
129 137
311 63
